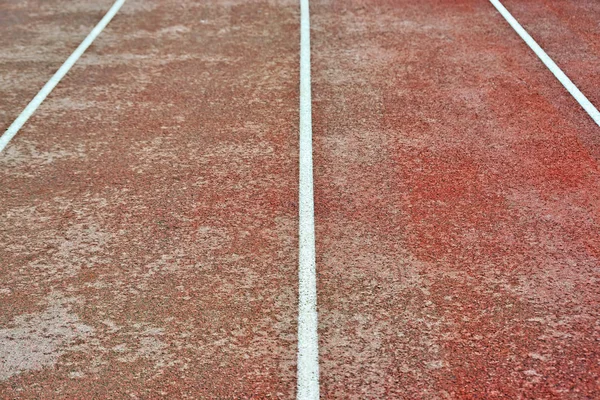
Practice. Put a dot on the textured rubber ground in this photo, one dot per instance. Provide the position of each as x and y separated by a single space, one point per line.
148 213
36 37
568 31
148 210
457 208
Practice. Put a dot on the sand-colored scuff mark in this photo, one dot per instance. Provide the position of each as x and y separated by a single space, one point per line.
146 343
36 341
81 245
134 342
26 153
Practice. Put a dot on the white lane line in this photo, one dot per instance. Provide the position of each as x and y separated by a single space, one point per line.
581 99
62 71
308 342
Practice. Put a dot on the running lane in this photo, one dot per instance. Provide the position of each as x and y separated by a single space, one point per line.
148 216
457 194
569 31
36 37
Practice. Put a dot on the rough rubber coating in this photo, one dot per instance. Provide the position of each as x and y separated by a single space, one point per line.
152 250
457 208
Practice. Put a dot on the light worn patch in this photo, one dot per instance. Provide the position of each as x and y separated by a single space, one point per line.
36 341
26 153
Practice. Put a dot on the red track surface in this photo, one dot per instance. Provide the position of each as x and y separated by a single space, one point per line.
568 31
36 37
148 209
457 194
149 212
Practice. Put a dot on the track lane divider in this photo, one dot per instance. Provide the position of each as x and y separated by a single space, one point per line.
33 105
558 73
308 341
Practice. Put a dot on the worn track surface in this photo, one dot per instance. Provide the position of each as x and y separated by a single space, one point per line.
148 209
457 207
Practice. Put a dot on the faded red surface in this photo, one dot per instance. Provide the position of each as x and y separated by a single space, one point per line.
148 216
458 208
36 37
148 209
568 31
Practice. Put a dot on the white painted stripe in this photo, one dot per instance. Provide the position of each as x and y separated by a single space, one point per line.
308 342
581 99
13 129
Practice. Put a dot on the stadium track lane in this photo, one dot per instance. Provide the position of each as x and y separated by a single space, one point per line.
148 212
457 208
568 31
35 39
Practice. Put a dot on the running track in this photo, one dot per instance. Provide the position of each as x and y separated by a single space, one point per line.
149 207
